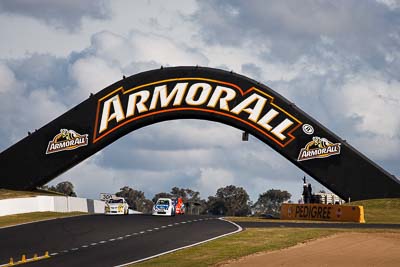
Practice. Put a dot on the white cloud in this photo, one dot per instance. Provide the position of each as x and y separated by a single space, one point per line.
292 29
113 48
20 117
370 102
111 55
165 50
92 74
373 101
213 178
144 47
66 14
391 4
7 79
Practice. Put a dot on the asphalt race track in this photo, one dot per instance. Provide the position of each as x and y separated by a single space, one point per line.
99 240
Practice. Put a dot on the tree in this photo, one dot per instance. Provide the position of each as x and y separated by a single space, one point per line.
66 188
186 194
193 195
179 192
161 195
229 200
136 199
216 206
271 201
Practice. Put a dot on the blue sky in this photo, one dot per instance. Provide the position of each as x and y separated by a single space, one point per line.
337 60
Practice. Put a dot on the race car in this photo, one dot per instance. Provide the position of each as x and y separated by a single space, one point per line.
179 206
164 207
116 206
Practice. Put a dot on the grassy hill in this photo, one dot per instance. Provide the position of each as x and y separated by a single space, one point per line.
380 210
5 193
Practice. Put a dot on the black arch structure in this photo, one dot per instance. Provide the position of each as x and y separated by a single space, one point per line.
193 93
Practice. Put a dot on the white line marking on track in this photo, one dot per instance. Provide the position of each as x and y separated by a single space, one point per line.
150 230
188 246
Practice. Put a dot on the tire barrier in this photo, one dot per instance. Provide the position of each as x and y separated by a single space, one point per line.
322 212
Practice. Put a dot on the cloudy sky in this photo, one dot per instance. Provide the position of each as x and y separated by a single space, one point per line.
337 60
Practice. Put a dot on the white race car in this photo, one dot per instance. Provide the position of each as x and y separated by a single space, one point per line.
164 207
116 206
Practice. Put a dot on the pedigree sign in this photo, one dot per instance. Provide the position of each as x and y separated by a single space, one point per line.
251 106
322 212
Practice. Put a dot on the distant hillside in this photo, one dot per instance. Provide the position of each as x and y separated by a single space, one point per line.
381 210
5 193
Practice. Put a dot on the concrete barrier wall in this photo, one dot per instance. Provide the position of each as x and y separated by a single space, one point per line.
49 203
60 204
98 206
322 212
77 204
44 203
24 205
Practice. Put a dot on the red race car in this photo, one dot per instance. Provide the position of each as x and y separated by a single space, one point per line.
179 207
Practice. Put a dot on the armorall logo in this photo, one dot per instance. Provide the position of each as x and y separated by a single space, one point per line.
252 106
319 148
66 140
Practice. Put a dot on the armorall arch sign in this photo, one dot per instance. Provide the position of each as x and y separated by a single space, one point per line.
193 93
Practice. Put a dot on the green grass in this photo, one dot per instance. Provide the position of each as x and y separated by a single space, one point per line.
236 246
242 244
5 193
33 217
380 210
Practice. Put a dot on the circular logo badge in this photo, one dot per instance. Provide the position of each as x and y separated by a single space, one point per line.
308 129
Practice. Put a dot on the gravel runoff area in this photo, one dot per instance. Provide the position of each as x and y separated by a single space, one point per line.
344 249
